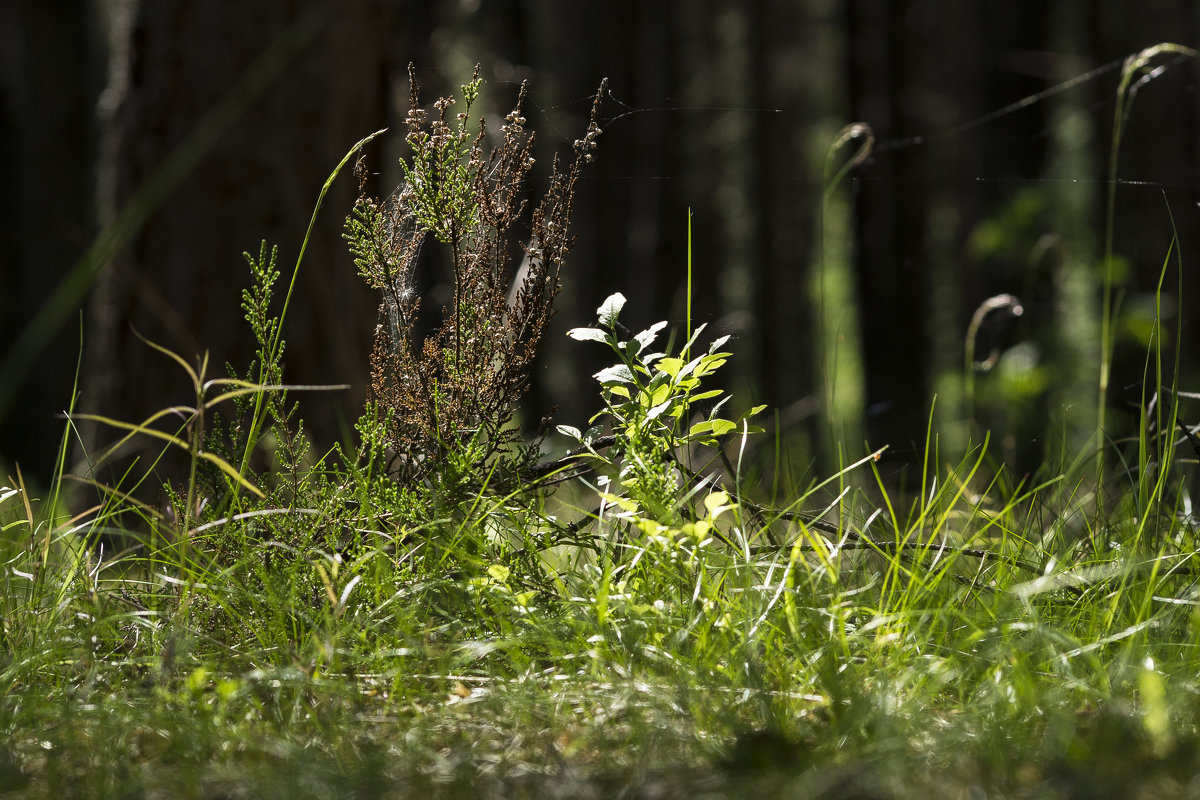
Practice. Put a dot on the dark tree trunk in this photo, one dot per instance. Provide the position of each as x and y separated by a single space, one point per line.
312 78
49 67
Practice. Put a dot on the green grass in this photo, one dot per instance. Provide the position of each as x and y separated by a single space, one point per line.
1008 637
1014 639
629 620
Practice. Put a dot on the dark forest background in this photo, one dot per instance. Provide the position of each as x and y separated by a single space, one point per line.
145 145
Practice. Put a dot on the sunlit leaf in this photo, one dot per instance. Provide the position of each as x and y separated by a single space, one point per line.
610 309
618 373
659 394
670 366
695 335
618 390
720 427
709 364
716 503
587 335
657 411
647 337
704 428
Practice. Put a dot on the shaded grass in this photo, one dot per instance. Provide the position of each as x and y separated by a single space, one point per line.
960 642
360 637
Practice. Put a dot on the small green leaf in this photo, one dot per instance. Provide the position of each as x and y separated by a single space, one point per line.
618 373
657 411
1156 718
570 432
198 680
720 427
647 337
659 394
610 309
695 335
587 335
670 366
619 391
710 364
688 368
226 689
716 503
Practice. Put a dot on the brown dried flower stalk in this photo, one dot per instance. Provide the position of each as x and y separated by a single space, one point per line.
449 401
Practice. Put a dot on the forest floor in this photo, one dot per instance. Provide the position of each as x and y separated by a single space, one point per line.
602 631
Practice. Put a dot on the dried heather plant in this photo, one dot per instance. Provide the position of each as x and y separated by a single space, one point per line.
449 402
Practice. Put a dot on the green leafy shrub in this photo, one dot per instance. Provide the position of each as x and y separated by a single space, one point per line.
648 398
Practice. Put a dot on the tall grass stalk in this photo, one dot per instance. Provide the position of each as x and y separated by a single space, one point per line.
273 351
841 369
1136 66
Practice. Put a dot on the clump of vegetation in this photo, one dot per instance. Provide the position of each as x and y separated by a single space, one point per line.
649 400
452 398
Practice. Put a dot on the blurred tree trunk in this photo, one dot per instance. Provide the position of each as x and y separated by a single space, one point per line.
891 196
630 216
300 82
835 285
943 299
1072 244
49 59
